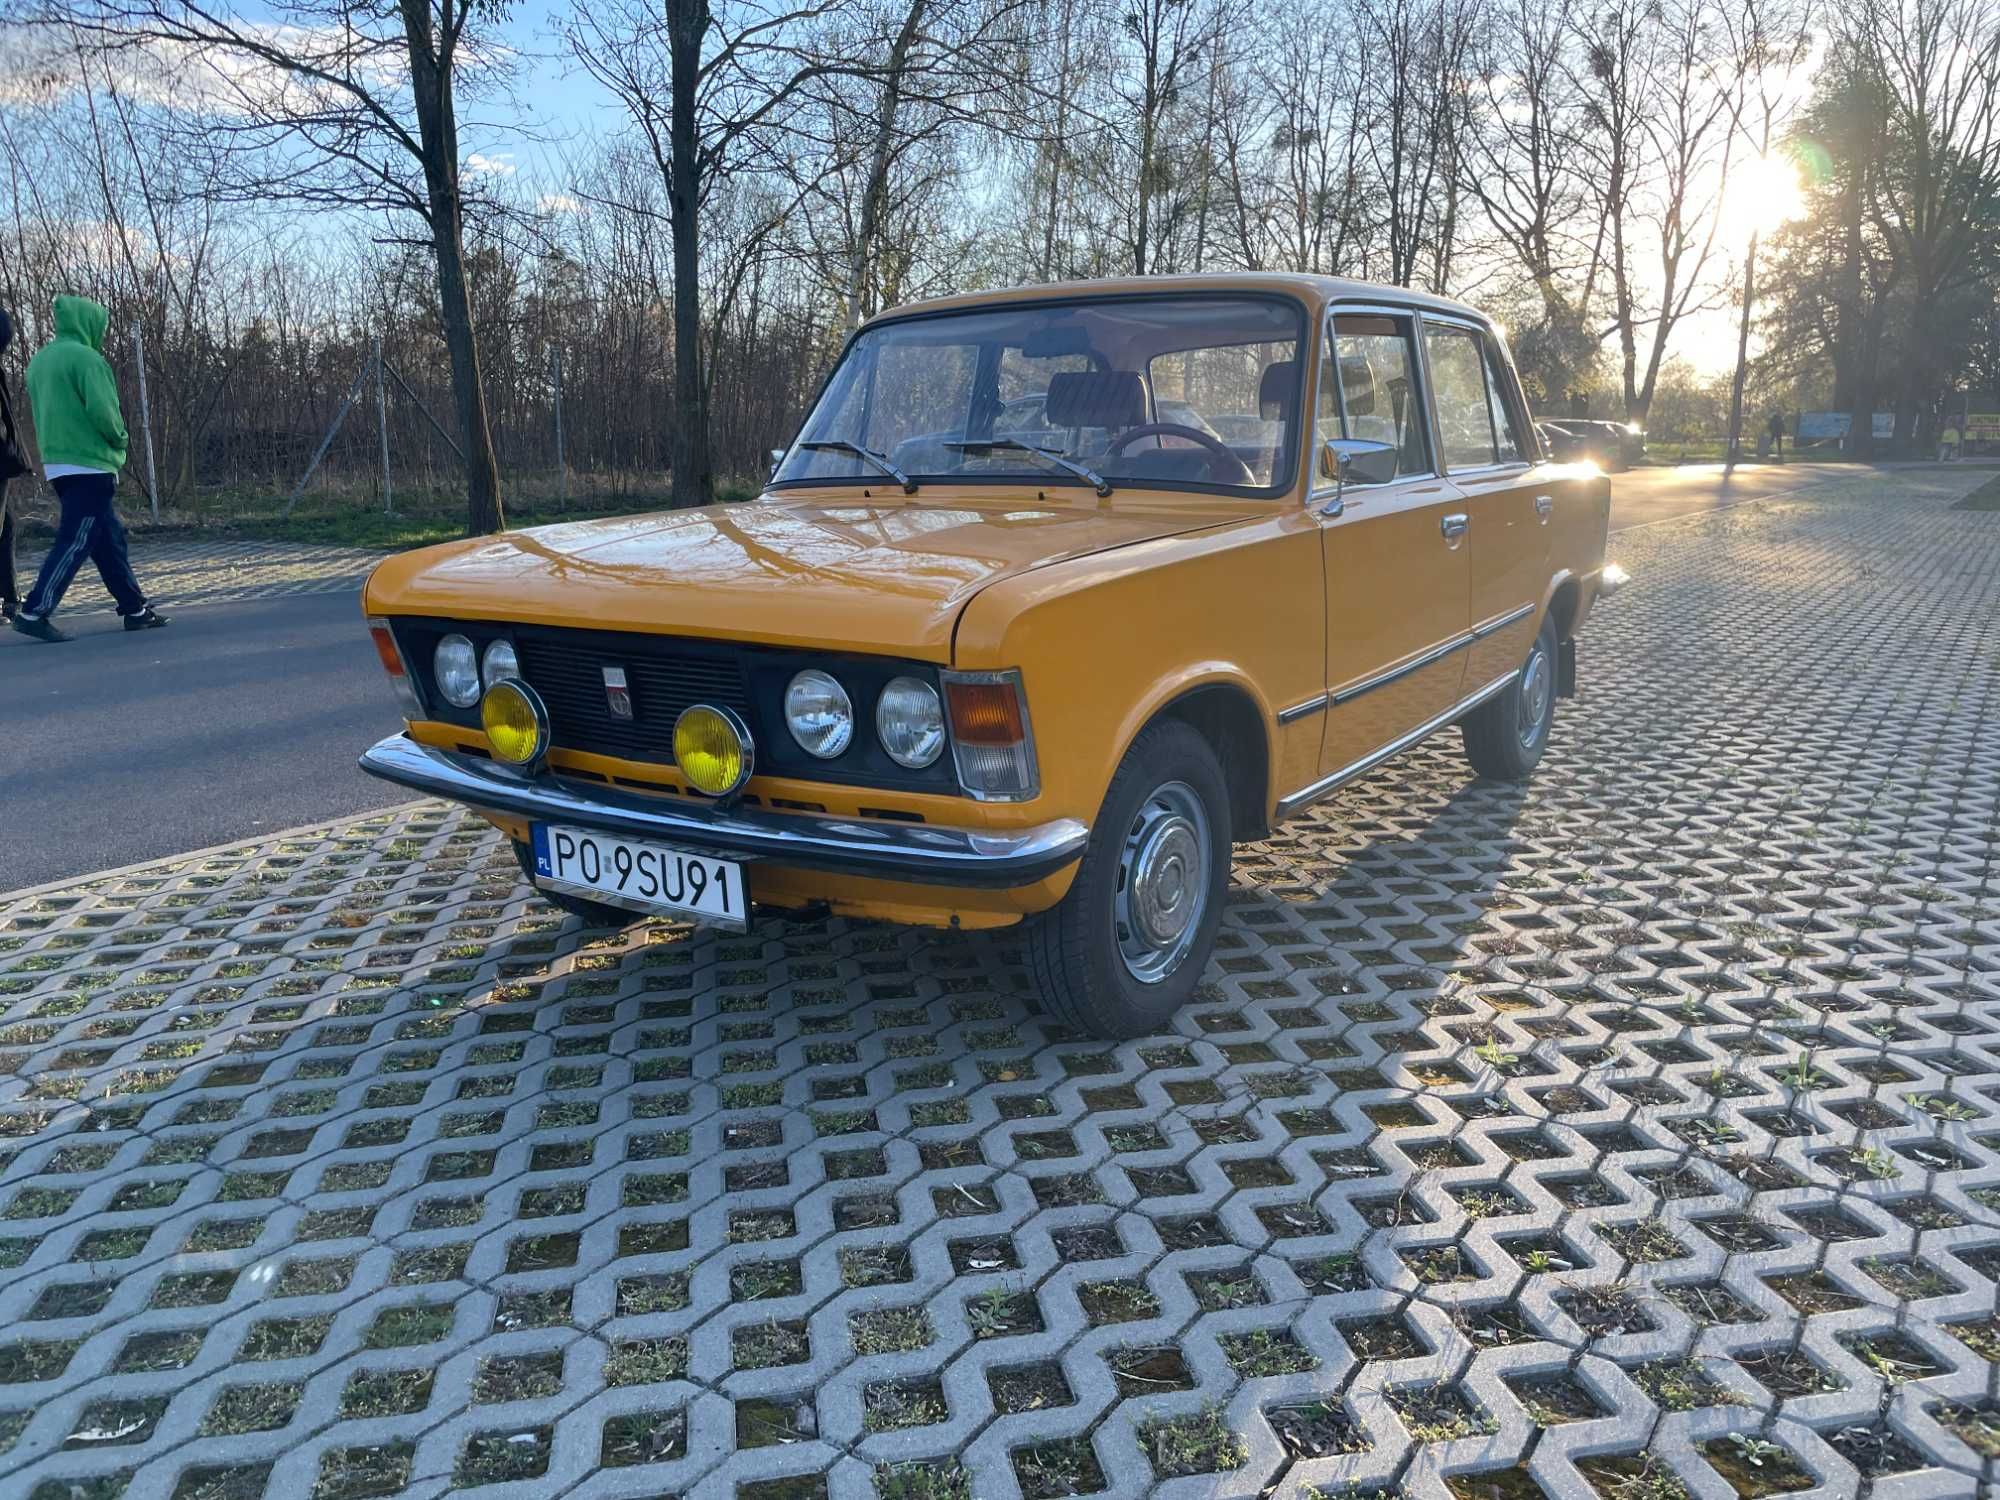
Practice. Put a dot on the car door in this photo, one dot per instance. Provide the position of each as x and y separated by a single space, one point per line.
1508 500
1394 554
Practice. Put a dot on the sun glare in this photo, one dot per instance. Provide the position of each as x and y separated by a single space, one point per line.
1761 193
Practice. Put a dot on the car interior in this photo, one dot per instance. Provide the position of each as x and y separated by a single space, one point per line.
1136 390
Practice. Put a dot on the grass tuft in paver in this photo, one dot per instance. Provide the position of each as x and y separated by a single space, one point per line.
1066 1466
891 1330
385 1393
1200 1443
759 1346
411 1324
1266 1351
644 1437
252 1408
1632 1476
765 1423
1681 1385
1755 1466
648 1361
285 1338
1316 1429
928 1479
223 1482
518 1377
1036 1387
502 1457
891 1405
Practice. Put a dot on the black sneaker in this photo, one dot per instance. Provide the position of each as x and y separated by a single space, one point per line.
146 619
9 608
40 629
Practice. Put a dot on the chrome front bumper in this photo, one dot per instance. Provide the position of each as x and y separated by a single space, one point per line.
801 841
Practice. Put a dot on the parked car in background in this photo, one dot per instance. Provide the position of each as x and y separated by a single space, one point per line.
1612 446
942 673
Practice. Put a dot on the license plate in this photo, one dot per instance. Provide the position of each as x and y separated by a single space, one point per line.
640 875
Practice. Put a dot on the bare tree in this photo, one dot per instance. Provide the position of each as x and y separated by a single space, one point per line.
326 105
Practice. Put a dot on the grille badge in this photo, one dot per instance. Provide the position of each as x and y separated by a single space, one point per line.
617 693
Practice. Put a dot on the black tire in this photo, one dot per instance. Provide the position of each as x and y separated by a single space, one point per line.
1076 952
592 913
1506 735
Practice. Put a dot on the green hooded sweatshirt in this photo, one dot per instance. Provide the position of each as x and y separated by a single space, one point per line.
73 394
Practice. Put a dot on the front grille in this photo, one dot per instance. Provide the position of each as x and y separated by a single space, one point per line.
664 677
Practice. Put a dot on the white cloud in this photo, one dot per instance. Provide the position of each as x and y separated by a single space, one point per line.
490 164
559 203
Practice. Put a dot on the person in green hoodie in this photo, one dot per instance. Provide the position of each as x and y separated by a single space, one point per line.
81 432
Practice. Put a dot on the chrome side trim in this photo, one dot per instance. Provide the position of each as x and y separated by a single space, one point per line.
922 852
1416 664
1480 632
1306 795
1302 710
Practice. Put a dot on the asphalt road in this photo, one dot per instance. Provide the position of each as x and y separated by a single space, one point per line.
242 719
236 720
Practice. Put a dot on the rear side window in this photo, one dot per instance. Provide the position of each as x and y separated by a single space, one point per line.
1464 406
1368 387
1506 430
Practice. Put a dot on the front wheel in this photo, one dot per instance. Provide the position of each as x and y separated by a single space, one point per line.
1126 946
1506 735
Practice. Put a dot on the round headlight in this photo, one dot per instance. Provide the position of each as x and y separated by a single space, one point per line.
910 721
818 713
516 723
499 661
712 748
456 667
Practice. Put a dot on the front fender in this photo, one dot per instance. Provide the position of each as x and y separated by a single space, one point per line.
1104 644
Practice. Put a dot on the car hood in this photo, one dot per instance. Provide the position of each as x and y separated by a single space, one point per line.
849 574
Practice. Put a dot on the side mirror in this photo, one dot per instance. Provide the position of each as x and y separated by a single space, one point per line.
1355 461
1358 461
777 457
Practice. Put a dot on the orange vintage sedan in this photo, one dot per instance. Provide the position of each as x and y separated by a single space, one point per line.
1058 594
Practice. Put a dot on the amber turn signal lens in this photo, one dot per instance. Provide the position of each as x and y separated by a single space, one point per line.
712 748
985 713
516 723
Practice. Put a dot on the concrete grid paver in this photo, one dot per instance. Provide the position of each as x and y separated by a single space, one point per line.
1628 1134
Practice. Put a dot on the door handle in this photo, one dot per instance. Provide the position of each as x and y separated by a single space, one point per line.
1455 526
1544 504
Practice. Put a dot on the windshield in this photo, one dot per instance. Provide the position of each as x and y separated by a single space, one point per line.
1162 392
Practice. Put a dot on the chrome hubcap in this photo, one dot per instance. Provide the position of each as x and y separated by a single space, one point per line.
1535 689
1162 882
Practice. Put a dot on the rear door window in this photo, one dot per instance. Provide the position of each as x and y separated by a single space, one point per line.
1458 389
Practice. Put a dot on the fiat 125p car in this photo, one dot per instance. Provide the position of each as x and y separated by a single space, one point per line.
1058 594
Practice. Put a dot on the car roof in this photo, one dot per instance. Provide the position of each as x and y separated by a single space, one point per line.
1315 291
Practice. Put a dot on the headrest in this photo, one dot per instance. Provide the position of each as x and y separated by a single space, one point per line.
1357 384
1278 390
1095 398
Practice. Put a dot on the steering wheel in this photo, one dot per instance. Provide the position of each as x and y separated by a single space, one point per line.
1224 467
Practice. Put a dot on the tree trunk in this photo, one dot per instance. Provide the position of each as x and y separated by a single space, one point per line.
693 484
437 123
875 194
1733 449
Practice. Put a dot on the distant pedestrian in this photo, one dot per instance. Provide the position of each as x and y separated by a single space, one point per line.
1776 427
74 399
11 467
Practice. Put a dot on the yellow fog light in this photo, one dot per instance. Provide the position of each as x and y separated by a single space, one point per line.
712 748
516 723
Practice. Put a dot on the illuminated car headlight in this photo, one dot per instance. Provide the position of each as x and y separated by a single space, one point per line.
499 662
455 665
516 722
712 748
909 720
819 715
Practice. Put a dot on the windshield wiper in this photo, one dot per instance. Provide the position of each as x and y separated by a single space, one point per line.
841 445
1062 460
